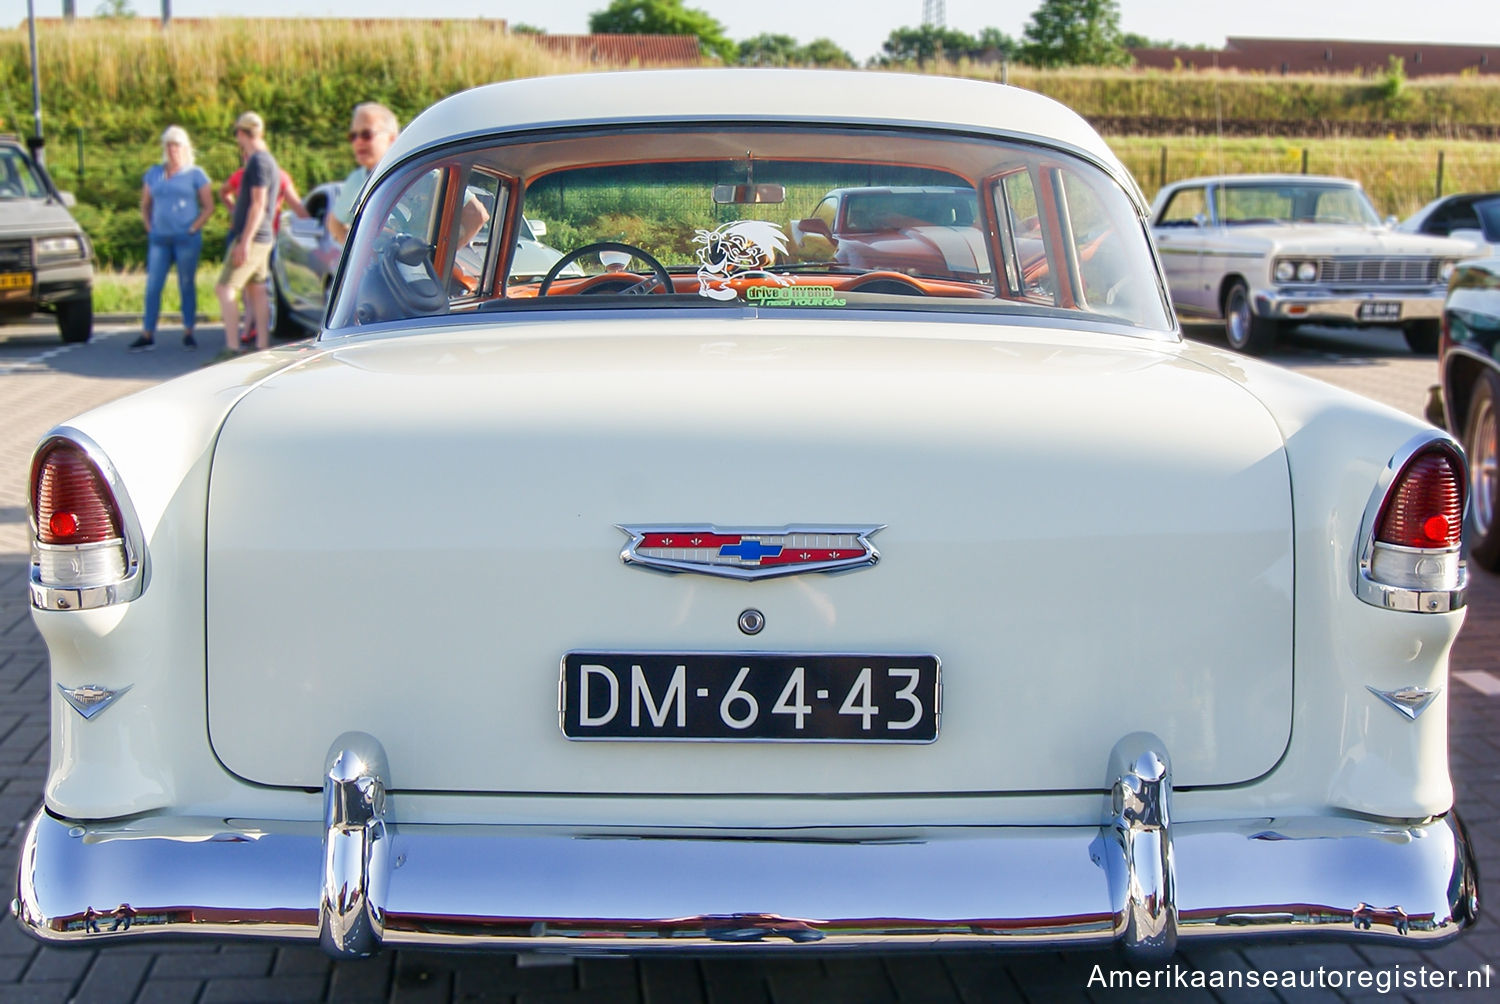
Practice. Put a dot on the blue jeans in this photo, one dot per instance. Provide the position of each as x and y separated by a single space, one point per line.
161 253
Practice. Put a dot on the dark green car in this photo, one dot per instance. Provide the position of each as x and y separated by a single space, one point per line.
46 261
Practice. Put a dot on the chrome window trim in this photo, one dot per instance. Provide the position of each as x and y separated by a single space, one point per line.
466 143
137 563
1390 597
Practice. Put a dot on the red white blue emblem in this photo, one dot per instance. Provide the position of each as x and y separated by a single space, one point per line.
750 553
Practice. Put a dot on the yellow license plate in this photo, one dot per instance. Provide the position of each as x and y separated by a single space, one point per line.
15 280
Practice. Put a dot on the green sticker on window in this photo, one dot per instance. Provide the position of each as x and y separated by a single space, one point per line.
794 296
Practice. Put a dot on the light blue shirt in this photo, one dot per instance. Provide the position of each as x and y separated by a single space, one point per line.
343 206
174 200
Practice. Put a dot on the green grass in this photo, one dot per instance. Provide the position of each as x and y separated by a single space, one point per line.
123 291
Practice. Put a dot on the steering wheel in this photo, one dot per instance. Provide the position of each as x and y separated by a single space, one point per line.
658 280
401 284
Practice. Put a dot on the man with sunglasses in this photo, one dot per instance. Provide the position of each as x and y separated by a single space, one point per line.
250 236
371 134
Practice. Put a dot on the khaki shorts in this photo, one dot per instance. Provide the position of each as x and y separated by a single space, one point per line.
255 268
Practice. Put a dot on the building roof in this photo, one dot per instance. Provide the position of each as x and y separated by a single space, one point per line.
625 50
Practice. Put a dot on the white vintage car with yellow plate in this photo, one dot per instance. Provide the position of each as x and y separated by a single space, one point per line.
723 593
1263 252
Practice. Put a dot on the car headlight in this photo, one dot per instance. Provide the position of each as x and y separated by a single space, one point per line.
1284 271
1446 271
1307 271
50 249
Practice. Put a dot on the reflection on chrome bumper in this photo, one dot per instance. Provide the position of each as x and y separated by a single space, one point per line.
1313 306
1138 879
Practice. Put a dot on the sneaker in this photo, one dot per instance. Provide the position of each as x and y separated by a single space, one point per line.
145 343
189 342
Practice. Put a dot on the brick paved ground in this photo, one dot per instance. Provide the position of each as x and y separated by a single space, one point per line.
36 392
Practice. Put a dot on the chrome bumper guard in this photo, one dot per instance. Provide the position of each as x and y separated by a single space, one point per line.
1314 305
1137 879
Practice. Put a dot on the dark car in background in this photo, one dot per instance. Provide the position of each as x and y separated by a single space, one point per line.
46 261
1469 368
1469 216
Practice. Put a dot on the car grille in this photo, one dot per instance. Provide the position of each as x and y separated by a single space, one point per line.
15 256
1380 271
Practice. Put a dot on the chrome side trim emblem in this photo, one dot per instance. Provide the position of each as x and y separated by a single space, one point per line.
91 699
749 552
1410 701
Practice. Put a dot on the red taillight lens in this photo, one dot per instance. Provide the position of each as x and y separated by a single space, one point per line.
1425 505
72 503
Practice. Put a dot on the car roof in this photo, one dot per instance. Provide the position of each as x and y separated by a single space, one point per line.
743 95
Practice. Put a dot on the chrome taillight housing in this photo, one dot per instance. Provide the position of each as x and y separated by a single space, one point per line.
86 546
1409 554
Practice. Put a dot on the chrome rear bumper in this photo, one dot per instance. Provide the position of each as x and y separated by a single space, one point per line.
1137 879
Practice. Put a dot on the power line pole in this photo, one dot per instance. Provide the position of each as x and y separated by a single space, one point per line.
36 141
934 13
166 13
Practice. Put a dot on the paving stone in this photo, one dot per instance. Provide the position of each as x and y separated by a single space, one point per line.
59 964
208 965
170 992
269 991
671 981
362 979
112 978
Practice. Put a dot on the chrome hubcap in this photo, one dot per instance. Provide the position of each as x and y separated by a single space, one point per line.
1484 466
1238 314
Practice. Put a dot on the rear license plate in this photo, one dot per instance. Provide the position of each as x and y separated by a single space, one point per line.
14 284
1380 310
751 697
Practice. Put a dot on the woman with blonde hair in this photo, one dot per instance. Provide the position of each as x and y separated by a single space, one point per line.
176 200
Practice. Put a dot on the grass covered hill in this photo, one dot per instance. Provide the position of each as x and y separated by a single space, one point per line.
111 86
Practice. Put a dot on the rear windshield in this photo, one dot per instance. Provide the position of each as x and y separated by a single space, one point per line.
774 218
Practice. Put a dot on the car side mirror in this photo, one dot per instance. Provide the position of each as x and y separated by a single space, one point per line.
538 228
1200 220
1391 221
67 199
814 227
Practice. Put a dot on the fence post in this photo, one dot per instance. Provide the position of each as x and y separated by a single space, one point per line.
79 132
1304 160
1439 194
1163 180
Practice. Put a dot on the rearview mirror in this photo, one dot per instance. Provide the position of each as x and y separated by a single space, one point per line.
744 195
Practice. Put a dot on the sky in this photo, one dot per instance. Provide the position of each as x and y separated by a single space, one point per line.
859 27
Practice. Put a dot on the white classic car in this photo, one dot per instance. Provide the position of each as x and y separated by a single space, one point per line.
1266 251
733 598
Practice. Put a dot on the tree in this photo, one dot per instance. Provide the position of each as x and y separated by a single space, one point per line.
784 50
924 44
825 52
663 17
527 29
993 39
769 50
119 9
1074 33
